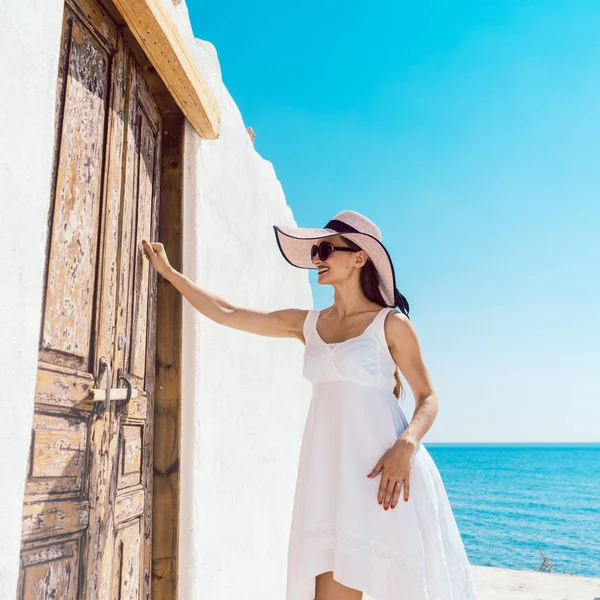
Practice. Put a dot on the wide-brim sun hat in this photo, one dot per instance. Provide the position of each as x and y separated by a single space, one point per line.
295 244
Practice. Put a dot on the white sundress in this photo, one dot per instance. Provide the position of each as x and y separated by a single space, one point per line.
411 552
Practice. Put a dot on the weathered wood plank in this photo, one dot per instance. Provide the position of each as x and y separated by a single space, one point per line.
129 506
126 579
150 373
111 215
132 422
135 409
130 451
148 104
53 518
100 543
167 397
64 489
146 164
50 572
71 274
57 458
58 453
64 387
97 20
161 41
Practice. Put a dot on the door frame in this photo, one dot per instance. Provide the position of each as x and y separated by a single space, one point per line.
168 386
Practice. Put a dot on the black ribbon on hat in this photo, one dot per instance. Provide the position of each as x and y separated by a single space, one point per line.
399 300
341 227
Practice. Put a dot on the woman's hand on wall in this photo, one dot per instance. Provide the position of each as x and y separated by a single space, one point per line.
156 255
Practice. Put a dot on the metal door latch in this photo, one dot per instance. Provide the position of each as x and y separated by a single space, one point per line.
118 393
106 394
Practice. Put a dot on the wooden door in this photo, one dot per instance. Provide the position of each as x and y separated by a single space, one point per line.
130 454
87 507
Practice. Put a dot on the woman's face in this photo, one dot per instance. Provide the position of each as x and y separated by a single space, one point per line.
340 265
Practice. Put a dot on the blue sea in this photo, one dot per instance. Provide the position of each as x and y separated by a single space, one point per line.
512 501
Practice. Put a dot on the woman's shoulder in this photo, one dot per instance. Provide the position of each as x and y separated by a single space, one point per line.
398 328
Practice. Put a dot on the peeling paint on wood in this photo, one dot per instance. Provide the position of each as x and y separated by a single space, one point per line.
87 513
70 280
57 458
50 573
54 518
128 506
63 387
125 584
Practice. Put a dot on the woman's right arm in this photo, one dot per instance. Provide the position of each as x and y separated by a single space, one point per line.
287 322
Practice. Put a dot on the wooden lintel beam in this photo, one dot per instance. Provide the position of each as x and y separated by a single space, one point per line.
159 37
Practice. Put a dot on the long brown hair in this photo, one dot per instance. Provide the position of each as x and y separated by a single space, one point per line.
369 283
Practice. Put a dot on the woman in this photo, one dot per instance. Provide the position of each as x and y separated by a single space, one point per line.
371 513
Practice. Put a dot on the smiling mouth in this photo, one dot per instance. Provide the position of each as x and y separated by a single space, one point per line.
321 271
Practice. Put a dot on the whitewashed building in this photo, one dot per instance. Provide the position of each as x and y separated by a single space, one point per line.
117 126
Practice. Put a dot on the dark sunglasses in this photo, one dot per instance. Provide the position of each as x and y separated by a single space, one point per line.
324 249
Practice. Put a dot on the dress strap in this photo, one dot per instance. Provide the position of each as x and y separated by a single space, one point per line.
379 329
309 323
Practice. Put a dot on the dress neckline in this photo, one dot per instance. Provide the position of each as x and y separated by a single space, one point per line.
334 344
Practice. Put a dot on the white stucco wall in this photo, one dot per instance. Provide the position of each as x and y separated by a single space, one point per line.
244 399
29 49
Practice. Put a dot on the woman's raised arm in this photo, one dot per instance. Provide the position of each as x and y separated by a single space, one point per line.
286 322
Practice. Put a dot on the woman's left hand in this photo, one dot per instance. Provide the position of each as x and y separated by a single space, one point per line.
396 465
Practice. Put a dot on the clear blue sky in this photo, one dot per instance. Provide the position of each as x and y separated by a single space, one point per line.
470 133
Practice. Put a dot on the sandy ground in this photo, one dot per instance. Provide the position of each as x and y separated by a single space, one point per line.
494 583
